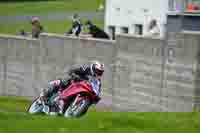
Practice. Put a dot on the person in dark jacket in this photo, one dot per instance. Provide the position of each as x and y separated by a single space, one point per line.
95 31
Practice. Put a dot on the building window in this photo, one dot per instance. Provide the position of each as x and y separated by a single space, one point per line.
124 30
117 9
111 30
138 29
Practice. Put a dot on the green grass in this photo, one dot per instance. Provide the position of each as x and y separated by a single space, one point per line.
96 122
99 122
49 26
19 8
13 103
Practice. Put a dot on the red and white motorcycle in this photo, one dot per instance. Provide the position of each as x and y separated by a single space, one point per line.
77 98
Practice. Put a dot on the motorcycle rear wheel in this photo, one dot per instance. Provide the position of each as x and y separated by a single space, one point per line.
35 107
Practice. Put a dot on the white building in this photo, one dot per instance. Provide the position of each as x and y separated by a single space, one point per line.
133 16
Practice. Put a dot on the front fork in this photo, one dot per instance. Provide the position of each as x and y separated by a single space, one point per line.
76 99
62 103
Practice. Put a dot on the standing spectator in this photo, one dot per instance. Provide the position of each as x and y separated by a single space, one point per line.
95 31
153 29
36 27
76 26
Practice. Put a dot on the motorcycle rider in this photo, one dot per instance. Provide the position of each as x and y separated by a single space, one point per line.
77 73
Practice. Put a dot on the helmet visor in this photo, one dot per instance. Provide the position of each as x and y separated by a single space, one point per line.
99 72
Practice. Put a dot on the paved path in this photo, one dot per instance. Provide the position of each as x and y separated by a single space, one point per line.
60 16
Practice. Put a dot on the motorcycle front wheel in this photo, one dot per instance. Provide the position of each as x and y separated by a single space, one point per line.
77 109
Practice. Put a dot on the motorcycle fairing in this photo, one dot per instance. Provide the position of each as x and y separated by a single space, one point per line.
76 88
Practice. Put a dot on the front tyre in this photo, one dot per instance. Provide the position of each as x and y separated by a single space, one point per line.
78 109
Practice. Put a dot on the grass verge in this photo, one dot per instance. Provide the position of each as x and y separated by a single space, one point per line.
11 103
98 122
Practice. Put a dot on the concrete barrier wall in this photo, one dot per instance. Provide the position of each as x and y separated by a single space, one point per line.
138 77
3 47
161 75
192 40
19 64
142 74
179 72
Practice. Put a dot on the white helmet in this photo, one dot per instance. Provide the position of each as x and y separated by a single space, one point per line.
97 68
